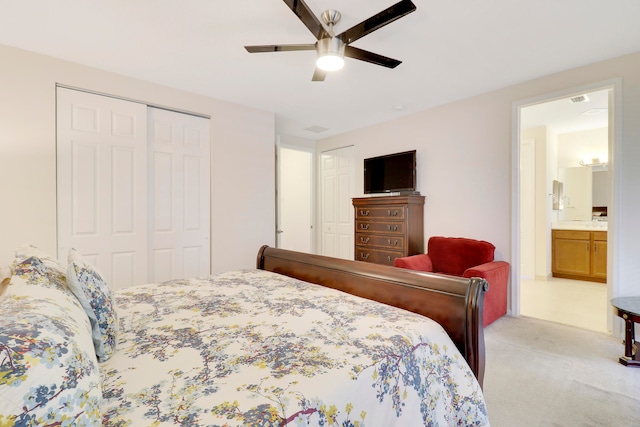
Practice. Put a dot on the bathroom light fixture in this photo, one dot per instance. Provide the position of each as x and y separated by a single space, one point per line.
330 54
594 164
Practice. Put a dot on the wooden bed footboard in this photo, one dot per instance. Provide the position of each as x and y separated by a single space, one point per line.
455 303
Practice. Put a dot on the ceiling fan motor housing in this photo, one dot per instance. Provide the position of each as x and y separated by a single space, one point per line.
330 53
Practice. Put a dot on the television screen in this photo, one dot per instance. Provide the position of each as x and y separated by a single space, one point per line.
390 173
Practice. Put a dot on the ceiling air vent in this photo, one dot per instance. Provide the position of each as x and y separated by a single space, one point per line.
316 129
579 98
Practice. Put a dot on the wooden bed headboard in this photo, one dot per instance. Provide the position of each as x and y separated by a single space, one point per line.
455 303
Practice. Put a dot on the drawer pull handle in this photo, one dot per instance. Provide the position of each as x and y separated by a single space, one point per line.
394 228
364 226
364 213
394 213
364 256
395 242
363 240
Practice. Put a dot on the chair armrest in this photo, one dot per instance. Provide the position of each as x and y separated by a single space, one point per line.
494 272
420 262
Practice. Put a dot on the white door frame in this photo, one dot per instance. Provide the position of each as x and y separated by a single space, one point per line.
615 132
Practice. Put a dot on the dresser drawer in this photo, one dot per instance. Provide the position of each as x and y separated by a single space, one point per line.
387 242
377 256
379 212
385 227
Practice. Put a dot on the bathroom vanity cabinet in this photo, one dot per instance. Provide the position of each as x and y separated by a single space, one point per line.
579 254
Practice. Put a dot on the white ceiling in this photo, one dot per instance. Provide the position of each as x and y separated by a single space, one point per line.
564 116
450 49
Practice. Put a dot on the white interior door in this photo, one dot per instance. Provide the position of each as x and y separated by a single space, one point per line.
295 199
179 195
101 172
337 210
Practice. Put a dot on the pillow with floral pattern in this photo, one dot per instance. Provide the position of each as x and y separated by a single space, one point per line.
48 368
94 295
39 268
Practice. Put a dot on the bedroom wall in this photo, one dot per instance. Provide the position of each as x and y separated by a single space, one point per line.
242 171
464 154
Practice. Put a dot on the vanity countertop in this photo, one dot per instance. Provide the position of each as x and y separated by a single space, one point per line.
580 225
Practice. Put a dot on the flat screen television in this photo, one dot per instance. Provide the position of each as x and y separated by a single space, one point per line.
390 173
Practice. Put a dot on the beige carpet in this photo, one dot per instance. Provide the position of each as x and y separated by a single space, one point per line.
540 373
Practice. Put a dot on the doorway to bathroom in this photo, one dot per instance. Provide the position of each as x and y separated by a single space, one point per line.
563 138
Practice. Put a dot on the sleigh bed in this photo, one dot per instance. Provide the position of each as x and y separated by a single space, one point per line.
257 347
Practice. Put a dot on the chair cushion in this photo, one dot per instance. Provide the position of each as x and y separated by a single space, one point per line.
453 255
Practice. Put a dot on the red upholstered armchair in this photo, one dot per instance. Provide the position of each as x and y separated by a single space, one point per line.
458 256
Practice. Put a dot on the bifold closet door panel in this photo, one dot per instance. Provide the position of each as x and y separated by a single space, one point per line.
101 174
179 195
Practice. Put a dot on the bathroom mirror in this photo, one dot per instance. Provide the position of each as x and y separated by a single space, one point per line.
600 191
577 197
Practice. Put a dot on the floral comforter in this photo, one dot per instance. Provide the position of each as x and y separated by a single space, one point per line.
254 348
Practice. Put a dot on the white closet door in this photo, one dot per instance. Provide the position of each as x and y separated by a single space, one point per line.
179 195
101 183
337 186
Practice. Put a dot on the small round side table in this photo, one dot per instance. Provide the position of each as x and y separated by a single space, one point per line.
629 309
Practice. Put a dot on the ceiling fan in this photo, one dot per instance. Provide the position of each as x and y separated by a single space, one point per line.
333 48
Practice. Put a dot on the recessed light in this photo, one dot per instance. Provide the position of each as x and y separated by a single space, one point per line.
594 111
398 107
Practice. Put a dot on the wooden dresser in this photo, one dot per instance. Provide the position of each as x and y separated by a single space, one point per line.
388 227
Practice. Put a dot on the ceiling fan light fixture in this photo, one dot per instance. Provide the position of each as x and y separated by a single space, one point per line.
330 54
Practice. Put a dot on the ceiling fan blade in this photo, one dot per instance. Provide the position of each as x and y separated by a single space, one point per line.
279 48
374 58
383 18
319 75
307 17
